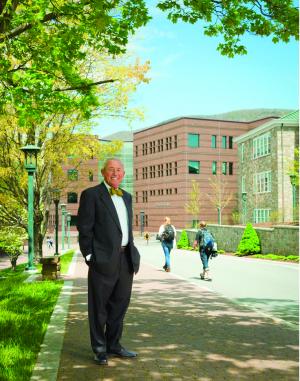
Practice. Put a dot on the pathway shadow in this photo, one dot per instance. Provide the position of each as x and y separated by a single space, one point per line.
183 333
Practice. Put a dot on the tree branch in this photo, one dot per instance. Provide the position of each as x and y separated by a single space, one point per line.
87 86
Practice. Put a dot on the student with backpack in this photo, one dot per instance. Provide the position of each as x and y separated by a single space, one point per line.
205 241
167 234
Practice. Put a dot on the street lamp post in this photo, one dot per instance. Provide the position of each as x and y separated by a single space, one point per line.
56 197
30 152
244 206
293 182
68 228
142 221
63 213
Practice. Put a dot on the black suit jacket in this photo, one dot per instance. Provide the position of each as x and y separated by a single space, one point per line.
100 232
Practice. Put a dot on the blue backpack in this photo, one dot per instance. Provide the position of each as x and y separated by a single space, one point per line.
207 241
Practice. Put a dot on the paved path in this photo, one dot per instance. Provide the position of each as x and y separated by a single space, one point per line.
181 332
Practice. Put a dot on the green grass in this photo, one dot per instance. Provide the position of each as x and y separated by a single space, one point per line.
26 309
274 257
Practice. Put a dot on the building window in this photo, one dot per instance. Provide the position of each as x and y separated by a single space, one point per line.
194 167
175 168
261 145
72 174
145 196
91 176
261 215
214 141
230 168
262 182
224 142
242 152
175 190
136 174
153 146
72 198
136 220
230 142
136 151
224 168
243 184
193 140
136 197
214 167
175 141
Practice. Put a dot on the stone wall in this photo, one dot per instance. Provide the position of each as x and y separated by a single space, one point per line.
281 240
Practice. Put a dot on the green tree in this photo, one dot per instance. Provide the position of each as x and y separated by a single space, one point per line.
183 241
193 204
232 19
11 241
249 243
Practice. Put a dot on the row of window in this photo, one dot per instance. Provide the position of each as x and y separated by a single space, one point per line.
261 215
262 182
155 192
73 175
160 170
194 167
226 141
159 145
261 146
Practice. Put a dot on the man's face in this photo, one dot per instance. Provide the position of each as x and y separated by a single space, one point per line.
113 173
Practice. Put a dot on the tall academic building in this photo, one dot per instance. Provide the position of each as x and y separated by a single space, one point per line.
170 155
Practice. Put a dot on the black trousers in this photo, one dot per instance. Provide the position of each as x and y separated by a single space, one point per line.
108 300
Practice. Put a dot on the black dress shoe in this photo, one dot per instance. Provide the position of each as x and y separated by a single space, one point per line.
101 359
123 353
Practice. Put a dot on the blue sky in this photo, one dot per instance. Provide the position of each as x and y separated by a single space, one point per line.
190 77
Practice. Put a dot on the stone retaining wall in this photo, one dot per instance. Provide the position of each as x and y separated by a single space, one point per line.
282 240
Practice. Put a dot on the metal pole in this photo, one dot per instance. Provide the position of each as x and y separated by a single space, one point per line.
68 228
294 202
30 265
56 226
63 230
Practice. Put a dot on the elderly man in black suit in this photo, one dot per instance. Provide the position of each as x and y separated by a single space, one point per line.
106 242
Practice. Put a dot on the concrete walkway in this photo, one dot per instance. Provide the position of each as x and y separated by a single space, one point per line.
181 332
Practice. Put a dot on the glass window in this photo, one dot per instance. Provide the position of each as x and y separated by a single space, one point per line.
72 198
224 141
214 167
261 215
262 182
194 167
262 145
230 168
193 140
214 141
224 168
72 174
230 142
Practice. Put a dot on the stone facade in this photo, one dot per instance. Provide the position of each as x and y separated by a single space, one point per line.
281 240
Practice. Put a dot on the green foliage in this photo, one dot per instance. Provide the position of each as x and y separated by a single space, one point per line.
249 243
183 241
275 257
232 19
11 242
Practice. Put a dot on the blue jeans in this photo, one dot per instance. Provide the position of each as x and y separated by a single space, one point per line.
167 250
204 259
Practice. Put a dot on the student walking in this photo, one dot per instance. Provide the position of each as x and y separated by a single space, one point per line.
167 235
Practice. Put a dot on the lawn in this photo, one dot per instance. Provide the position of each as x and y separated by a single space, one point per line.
26 309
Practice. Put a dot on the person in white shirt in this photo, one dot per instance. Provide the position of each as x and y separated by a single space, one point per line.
167 234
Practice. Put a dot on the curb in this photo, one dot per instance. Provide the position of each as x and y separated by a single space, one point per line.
47 364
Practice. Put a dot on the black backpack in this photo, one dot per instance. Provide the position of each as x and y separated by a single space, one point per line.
168 235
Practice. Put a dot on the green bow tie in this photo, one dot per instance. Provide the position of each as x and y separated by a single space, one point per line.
117 191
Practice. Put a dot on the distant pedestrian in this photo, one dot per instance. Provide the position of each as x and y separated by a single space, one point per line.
49 241
204 240
167 235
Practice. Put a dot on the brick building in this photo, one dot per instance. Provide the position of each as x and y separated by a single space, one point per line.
168 156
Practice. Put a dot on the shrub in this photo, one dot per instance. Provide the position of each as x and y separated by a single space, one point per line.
249 243
183 241
11 242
